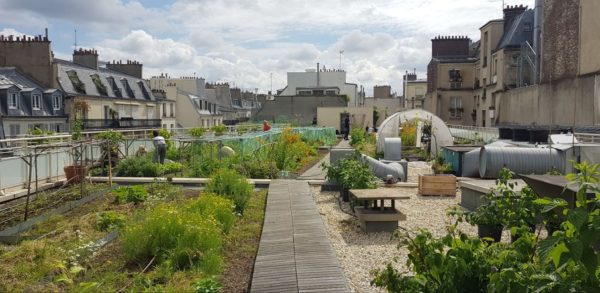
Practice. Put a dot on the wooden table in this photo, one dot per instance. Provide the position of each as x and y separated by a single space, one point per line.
378 218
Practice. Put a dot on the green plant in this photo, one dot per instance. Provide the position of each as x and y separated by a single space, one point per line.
145 167
454 263
440 166
351 173
219 129
36 131
130 194
409 133
110 220
196 132
231 185
110 136
213 205
207 285
163 190
171 232
357 135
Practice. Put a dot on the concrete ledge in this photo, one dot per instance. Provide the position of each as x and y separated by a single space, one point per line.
198 181
23 192
372 220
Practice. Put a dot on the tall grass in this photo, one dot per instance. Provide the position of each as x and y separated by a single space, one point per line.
213 205
231 185
169 232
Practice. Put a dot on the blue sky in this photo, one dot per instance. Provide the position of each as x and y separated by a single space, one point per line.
245 41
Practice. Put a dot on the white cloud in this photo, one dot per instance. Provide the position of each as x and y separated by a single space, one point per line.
244 41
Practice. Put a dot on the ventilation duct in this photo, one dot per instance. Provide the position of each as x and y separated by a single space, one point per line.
519 160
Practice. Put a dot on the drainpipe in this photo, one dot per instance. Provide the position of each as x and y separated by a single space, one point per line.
537 35
318 80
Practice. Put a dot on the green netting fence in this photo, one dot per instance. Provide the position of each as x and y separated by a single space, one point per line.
252 141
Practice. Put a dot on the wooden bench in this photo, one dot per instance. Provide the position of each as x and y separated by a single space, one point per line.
374 216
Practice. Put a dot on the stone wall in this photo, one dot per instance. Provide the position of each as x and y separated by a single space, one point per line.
298 109
560 41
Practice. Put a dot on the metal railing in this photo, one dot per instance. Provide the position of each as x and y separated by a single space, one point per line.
122 123
474 133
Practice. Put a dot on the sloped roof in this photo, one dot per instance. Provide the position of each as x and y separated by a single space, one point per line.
519 31
84 74
10 76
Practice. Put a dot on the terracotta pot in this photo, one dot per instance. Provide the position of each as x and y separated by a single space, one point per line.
75 173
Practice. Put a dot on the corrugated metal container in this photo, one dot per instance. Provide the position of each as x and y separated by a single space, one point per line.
519 160
454 155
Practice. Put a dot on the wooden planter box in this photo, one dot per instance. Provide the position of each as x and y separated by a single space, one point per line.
437 185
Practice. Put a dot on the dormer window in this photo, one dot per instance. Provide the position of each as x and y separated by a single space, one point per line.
56 102
113 84
36 102
127 88
76 82
144 90
99 85
13 100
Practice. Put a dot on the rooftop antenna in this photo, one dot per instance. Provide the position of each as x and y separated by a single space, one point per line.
271 92
75 44
341 52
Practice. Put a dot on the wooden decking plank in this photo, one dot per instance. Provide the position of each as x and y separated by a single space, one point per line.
294 253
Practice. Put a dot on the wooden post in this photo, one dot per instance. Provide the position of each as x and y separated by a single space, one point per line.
109 163
28 187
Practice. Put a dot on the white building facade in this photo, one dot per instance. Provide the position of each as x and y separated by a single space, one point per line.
320 83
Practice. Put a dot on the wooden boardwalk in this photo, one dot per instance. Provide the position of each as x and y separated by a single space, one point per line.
294 254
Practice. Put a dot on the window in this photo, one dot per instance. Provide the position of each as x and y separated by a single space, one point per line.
13 101
164 110
318 92
456 108
126 111
205 105
35 102
172 110
495 66
15 129
330 92
304 93
150 111
485 49
56 102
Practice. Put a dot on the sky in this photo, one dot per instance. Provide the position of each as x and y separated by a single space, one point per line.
247 42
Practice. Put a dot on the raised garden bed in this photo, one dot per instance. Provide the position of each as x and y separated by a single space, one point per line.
440 184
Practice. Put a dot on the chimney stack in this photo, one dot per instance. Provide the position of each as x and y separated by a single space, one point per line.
510 13
87 58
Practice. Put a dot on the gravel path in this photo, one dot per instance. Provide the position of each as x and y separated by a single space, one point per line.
360 253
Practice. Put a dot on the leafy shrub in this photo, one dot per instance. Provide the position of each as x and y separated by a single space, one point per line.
357 136
231 185
174 233
566 261
196 132
351 173
212 205
173 154
126 194
207 285
110 220
145 167
289 151
219 129
257 168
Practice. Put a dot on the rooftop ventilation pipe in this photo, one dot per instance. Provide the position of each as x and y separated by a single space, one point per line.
519 160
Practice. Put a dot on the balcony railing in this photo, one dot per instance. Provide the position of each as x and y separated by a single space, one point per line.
122 123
